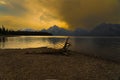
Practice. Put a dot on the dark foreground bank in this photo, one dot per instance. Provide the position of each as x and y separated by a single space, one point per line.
17 65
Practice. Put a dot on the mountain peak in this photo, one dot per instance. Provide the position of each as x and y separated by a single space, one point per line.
55 27
103 29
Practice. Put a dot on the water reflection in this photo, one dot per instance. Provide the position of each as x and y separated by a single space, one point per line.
108 48
104 47
2 41
55 40
31 42
95 43
78 43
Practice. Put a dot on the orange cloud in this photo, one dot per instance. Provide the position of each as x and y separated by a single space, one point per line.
38 14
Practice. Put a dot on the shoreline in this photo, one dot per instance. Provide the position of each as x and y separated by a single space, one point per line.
15 64
45 50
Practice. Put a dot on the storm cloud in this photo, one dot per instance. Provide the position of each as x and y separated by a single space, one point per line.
38 14
87 13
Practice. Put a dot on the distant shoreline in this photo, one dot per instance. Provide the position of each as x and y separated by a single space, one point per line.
22 35
6 32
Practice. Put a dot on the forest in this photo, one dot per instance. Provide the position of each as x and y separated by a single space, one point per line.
7 32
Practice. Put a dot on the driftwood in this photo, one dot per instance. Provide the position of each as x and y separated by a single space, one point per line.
46 50
66 46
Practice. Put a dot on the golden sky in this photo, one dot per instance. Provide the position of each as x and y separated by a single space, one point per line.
39 14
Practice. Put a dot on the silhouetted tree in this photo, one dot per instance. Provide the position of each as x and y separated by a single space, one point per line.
4 31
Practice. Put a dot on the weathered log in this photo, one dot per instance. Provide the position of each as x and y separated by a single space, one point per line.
46 50
66 46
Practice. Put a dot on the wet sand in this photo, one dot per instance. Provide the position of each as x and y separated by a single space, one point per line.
15 64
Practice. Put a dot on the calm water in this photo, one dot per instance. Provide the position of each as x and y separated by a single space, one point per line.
108 47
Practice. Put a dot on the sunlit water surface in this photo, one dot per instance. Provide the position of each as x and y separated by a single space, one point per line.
108 47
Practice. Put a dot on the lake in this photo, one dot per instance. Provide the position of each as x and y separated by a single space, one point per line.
108 47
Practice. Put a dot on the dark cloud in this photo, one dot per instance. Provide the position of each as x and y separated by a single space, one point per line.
74 13
88 13
85 13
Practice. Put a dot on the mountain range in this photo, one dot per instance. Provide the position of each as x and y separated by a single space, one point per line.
106 30
100 30
55 30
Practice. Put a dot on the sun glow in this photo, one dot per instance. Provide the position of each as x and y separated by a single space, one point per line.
2 2
69 14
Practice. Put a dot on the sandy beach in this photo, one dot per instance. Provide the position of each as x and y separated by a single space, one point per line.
15 64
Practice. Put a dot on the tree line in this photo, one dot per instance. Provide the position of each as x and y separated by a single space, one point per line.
4 31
